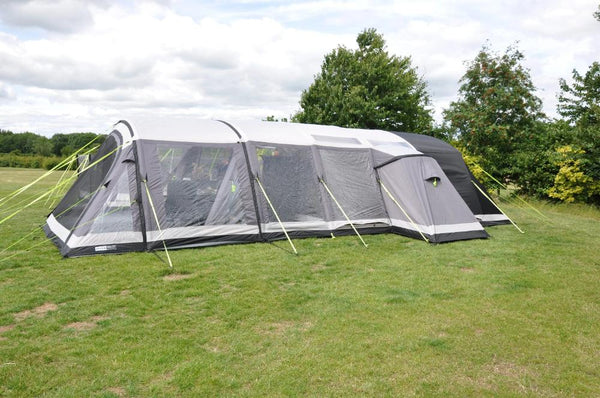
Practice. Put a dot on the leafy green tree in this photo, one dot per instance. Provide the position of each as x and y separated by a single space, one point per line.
6 141
497 112
65 144
58 142
597 14
579 104
42 146
367 88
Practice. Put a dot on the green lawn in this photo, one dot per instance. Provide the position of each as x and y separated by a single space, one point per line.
513 315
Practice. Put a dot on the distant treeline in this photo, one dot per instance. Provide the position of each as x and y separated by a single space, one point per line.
31 150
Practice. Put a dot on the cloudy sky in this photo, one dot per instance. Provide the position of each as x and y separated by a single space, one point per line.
80 65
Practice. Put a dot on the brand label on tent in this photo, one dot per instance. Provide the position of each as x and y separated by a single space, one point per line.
105 248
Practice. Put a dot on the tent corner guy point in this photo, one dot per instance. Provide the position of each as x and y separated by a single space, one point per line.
179 183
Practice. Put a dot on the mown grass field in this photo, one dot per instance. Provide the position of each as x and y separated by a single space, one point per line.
513 315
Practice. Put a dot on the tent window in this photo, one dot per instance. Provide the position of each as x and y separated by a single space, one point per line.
289 178
191 178
75 201
116 212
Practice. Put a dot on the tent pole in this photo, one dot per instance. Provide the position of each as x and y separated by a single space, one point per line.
403 211
276 215
343 212
497 207
157 222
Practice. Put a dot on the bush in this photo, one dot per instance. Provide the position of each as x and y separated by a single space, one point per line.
15 159
571 184
474 163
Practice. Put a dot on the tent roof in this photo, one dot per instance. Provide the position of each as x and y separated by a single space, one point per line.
214 131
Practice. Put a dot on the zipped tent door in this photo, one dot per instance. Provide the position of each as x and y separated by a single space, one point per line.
421 200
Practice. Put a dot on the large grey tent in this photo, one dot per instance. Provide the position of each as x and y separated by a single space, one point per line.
189 182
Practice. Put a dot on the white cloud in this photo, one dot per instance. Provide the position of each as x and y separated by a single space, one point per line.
53 15
102 60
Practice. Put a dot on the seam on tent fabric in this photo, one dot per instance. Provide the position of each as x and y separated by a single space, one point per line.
138 197
320 171
251 178
392 160
379 186
377 182
424 181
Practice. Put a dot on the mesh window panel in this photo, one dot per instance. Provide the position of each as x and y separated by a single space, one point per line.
229 205
351 178
290 180
191 176
72 205
116 213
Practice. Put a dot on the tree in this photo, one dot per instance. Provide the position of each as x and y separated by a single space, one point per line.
579 104
597 14
367 88
497 112
65 144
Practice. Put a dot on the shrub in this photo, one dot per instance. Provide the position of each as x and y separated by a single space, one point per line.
571 184
15 159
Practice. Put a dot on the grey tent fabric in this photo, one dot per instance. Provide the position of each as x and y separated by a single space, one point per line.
424 193
451 161
192 183
356 187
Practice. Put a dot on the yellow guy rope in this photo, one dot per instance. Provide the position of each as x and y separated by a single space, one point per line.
71 230
276 215
497 207
157 222
53 189
343 212
517 196
60 180
46 174
28 249
56 216
403 211
26 187
26 206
